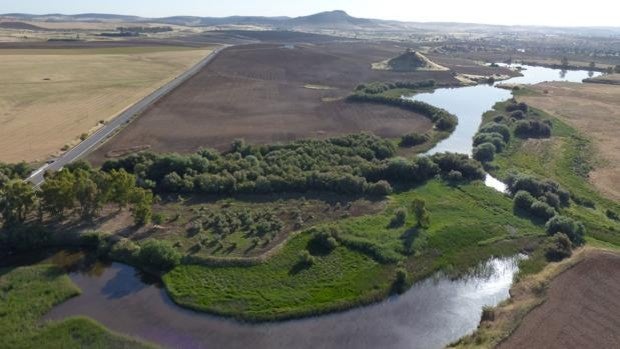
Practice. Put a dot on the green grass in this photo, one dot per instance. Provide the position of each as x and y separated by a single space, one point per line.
469 223
566 158
27 293
280 288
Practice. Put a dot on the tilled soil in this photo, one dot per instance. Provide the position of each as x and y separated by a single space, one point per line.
266 93
582 309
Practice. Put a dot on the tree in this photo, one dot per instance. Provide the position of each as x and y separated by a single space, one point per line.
17 199
565 62
91 192
58 193
573 229
122 186
422 215
142 206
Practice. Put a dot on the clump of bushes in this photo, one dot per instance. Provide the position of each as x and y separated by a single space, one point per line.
413 139
573 229
538 188
324 241
523 107
449 162
532 129
305 258
158 255
524 201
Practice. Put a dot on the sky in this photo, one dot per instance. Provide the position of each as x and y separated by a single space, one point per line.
522 12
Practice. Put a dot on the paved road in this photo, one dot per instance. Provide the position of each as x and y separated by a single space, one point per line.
97 138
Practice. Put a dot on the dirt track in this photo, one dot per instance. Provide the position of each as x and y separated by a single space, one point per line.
261 93
582 311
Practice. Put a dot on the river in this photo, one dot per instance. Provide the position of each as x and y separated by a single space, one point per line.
431 314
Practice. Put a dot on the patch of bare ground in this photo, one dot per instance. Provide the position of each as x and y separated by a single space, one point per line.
582 308
594 109
260 93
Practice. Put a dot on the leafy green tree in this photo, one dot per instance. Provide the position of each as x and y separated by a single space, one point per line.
92 190
122 187
17 199
142 206
58 193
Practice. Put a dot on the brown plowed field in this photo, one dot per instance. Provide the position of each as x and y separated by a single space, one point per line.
267 93
582 310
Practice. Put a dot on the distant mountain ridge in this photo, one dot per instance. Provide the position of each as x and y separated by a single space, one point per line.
330 20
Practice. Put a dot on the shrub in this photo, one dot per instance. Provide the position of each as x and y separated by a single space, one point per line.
305 258
485 152
159 255
454 176
159 218
612 215
532 129
542 210
412 139
92 239
559 248
495 138
400 216
324 241
523 200
573 229
400 282
517 114
125 251
553 200
517 106
381 188
493 127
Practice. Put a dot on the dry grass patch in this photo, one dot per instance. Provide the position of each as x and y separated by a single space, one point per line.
48 98
594 109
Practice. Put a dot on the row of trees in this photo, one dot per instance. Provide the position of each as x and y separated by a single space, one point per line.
380 87
77 189
355 164
442 119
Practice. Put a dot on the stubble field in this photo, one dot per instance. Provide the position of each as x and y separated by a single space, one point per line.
49 97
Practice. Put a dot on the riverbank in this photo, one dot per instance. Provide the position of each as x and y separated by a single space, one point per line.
512 324
30 292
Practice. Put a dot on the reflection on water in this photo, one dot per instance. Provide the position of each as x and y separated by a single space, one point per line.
496 184
470 102
431 314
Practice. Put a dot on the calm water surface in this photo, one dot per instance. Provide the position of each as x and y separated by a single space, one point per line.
431 314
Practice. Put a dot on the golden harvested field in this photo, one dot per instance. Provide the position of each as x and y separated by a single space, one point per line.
49 97
594 109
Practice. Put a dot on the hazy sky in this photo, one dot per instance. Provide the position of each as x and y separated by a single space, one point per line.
527 12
